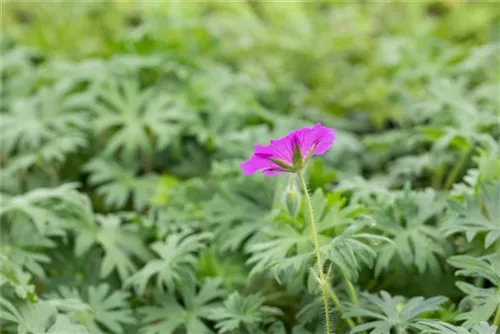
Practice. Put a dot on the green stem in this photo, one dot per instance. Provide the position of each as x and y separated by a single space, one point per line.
437 179
401 330
388 280
314 234
354 297
352 292
496 320
257 9
51 172
339 306
458 168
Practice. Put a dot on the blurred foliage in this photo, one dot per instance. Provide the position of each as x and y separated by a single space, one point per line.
123 124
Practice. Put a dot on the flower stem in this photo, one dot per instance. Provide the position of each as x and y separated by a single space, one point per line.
314 234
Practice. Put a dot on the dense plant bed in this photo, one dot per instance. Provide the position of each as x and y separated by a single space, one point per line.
124 208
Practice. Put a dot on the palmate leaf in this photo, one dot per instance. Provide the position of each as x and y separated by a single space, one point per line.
12 274
34 121
229 266
118 183
480 303
373 191
97 72
107 311
40 318
49 209
354 249
463 116
479 214
138 121
53 151
388 313
487 267
19 75
242 314
487 171
440 327
23 248
408 223
170 315
282 248
239 210
240 142
460 112
287 248
28 223
121 244
411 166
178 256
478 57
221 110
351 246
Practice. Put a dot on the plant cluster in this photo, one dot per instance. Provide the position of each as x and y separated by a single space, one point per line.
124 209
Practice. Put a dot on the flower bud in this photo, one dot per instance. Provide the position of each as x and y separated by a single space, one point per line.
292 198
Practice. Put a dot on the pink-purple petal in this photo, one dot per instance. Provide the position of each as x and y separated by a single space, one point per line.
313 140
254 164
323 138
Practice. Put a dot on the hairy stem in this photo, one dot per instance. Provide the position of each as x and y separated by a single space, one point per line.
314 234
339 306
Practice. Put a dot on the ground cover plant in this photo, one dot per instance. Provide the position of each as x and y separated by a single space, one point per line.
124 208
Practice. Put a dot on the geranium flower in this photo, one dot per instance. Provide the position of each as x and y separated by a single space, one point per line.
290 153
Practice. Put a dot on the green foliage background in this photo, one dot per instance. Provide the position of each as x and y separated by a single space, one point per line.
123 209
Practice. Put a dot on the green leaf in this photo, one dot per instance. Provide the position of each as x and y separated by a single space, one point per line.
177 260
487 267
239 209
118 183
170 315
108 310
408 223
242 312
49 208
480 303
140 120
440 327
41 317
343 236
478 215
23 247
121 244
389 312
50 113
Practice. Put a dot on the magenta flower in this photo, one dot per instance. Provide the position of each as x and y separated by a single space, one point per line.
290 153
